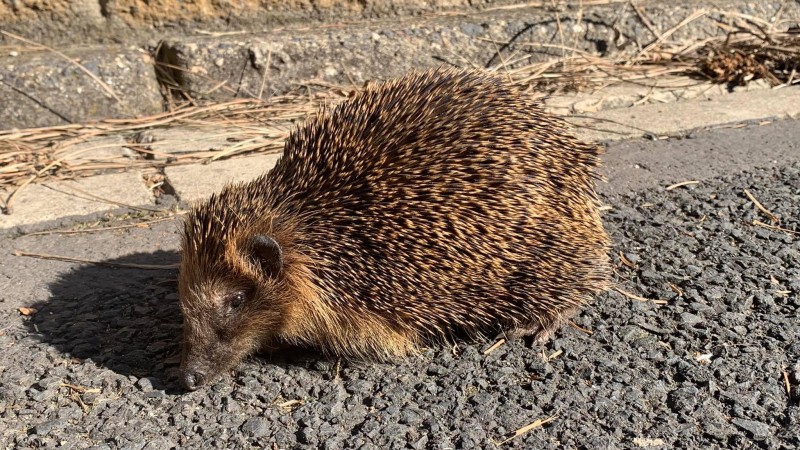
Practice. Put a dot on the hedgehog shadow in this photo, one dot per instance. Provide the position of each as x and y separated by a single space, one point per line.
127 319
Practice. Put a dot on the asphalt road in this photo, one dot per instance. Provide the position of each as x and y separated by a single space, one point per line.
711 360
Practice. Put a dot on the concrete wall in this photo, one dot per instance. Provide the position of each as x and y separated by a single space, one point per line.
87 21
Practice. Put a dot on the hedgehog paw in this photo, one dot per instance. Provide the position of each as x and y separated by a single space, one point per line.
536 333
539 331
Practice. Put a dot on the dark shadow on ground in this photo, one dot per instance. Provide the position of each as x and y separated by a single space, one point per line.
128 319
125 319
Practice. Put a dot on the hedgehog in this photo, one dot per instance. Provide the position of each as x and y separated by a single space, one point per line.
445 204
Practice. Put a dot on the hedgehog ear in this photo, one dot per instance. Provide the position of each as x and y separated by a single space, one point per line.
267 252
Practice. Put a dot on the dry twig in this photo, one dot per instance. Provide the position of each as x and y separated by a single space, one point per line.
291 404
580 328
538 423
786 383
494 346
761 224
144 224
102 263
682 183
772 217
638 297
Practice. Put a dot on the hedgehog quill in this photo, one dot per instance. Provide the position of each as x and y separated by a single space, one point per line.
438 205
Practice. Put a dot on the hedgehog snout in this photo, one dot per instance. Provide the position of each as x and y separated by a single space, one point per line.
195 371
206 356
200 361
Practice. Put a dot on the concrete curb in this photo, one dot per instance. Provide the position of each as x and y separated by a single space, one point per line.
679 118
93 21
224 65
36 206
194 183
40 89
220 67
128 20
49 202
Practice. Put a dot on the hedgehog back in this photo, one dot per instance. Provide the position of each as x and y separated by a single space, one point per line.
445 200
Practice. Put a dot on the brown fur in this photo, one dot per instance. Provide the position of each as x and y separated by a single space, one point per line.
440 202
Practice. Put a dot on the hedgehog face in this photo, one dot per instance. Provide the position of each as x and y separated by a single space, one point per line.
227 309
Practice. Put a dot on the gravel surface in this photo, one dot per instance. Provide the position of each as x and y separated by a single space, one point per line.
706 368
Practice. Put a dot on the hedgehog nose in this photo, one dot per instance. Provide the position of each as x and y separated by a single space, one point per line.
193 379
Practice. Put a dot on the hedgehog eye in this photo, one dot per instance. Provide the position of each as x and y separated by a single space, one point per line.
235 300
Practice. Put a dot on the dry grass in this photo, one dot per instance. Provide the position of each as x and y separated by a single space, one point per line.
772 217
638 298
681 184
91 261
538 423
746 49
70 151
